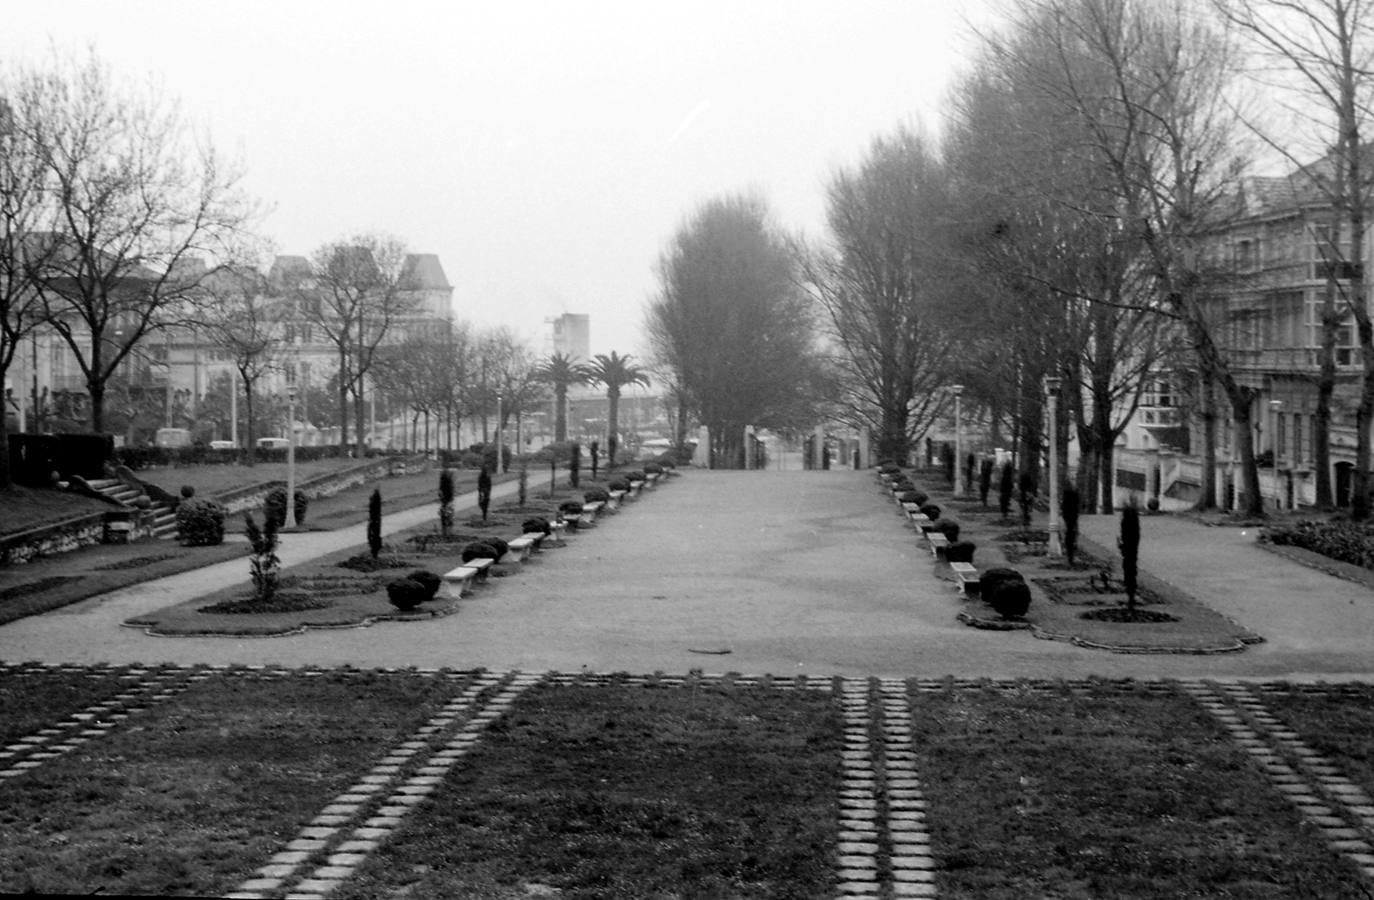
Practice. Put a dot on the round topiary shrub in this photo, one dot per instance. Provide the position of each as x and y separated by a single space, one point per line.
666 461
634 475
653 468
888 468
274 506
480 550
428 580
535 525
960 551
990 579
930 511
406 593
618 484
1010 599
200 523
596 495
187 492
570 508
497 544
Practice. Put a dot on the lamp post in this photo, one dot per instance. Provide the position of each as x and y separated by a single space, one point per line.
500 438
957 390
1052 386
291 454
1274 407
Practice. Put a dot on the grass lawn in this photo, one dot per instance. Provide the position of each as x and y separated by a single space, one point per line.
29 700
22 508
190 796
1337 722
1106 794
631 792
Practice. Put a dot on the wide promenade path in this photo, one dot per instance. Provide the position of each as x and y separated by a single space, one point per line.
783 573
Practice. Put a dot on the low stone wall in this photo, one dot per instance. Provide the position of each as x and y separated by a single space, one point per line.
60 537
252 496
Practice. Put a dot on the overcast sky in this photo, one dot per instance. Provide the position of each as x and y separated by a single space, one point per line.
546 151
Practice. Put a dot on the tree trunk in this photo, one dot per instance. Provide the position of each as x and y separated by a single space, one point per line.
560 413
360 420
1245 444
343 404
612 425
252 453
1207 397
1326 390
1105 461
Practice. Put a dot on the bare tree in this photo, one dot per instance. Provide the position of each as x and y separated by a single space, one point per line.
139 210
876 282
22 183
237 316
733 323
1147 84
357 297
1320 53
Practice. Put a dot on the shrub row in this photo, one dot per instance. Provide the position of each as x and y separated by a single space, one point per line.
409 592
1348 542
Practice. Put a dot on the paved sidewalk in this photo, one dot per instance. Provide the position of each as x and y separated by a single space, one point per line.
784 573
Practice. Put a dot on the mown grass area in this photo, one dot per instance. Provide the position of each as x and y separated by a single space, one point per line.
631 792
23 508
189 797
1335 720
30 700
1106 794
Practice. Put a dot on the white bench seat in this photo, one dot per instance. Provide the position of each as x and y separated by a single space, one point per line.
968 577
938 543
589 511
616 497
921 521
457 581
482 564
556 529
519 549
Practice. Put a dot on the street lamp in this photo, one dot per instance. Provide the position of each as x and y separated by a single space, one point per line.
1274 407
1052 386
291 454
500 438
957 390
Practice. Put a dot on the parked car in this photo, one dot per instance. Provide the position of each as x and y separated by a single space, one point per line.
222 445
272 443
173 437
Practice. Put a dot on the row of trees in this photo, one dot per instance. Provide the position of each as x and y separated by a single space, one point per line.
1070 226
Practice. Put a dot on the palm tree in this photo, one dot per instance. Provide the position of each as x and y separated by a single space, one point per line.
562 371
615 372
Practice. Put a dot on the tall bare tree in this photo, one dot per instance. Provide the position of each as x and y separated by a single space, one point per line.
1320 54
139 210
237 316
876 282
22 184
358 299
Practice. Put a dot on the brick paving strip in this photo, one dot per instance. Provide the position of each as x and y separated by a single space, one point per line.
145 687
884 847
376 805
1340 809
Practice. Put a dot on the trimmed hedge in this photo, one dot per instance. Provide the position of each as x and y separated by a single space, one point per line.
596 495
200 523
428 580
1347 542
274 506
480 550
406 593
535 525
1011 599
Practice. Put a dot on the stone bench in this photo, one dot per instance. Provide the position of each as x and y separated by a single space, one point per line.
912 510
519 549
457 581
555 536
968 578
614 503
938 543
482 564
589 511
921 521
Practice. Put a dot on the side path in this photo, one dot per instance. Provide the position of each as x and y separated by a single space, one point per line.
1313 623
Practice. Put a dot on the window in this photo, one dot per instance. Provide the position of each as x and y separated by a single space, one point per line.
1280 436
1297 438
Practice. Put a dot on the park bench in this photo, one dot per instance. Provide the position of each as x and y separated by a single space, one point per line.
458 581
637 487
482 564
519 549
614 503
911 510
921 521
556 530
968 578
938 543
589 511
651 480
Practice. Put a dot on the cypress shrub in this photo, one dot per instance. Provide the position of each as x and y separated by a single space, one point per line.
1068 510
374 523
1005 488
483 491
1129 544
575 465
274 506
445 502
984 480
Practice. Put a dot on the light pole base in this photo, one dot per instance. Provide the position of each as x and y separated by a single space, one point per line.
1056 546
